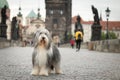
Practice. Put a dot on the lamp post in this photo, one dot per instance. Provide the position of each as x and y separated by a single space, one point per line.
107 16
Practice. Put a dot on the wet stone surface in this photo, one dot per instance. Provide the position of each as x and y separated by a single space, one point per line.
15 64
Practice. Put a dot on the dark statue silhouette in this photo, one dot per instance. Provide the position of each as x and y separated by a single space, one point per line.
96 27
3 26
14 29
3 15
96 16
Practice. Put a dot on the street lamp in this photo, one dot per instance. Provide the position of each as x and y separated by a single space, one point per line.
107 16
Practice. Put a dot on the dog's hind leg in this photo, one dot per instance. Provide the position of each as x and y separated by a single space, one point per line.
58 69
49 70
35 70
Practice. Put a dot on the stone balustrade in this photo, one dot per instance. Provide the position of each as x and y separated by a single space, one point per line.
105 45
4 43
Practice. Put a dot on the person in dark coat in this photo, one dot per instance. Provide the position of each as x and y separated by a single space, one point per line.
78 37
78 25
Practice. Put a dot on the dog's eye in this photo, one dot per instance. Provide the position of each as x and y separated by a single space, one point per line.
45 33
40 33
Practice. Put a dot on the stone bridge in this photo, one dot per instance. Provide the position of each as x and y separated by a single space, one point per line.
103 45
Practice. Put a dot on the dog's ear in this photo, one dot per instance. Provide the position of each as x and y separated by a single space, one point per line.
50 41
35 39
49 45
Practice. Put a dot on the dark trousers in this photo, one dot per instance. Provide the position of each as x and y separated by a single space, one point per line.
78 44
72 45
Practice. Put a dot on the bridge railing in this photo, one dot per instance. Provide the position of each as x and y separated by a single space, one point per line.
105 45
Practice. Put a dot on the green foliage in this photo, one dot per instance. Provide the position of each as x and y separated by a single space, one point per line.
103 36
112 35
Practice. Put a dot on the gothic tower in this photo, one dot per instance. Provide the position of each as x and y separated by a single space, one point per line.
58 17
19 15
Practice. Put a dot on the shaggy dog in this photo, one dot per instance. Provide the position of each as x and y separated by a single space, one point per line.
46 56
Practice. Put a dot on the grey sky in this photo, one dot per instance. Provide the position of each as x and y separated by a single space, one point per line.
81 7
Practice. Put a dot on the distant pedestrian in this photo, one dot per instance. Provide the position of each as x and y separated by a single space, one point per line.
78 38
72 42
78 25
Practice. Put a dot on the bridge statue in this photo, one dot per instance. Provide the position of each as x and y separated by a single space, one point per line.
96 16
3 26
96 27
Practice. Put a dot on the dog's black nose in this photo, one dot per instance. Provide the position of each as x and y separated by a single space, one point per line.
43 37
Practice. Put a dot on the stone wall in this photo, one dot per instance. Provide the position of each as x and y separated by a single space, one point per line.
4 43
105 45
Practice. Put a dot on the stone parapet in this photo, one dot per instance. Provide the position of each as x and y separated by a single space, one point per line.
4 43
105 45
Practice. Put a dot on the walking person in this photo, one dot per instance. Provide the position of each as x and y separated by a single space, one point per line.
78 38
78 25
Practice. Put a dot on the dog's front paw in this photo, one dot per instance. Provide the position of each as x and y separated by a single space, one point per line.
59 72
43 73
34 73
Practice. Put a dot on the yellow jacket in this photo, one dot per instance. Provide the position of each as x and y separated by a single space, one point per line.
77 33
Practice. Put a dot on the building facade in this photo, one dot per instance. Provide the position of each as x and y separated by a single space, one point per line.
19 16
58 17
33 23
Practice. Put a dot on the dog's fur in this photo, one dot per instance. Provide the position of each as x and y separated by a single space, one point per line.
46 56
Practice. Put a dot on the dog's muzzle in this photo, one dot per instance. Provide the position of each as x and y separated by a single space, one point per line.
42 41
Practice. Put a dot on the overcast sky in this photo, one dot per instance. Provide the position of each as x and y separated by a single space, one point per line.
81 7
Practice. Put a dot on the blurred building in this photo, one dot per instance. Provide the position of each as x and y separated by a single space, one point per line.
114 26
58 17
31 16
20 16
33 23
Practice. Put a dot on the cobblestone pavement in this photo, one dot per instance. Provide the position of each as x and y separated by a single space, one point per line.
15 64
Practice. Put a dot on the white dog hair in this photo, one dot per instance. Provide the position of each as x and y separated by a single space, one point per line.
46 56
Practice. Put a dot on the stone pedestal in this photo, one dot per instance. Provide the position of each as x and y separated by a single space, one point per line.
3 28
96 32
4 43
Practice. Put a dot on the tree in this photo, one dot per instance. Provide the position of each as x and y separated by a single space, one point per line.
103 36
112 35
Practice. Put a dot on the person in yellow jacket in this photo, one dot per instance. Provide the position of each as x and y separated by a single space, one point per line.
78 37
